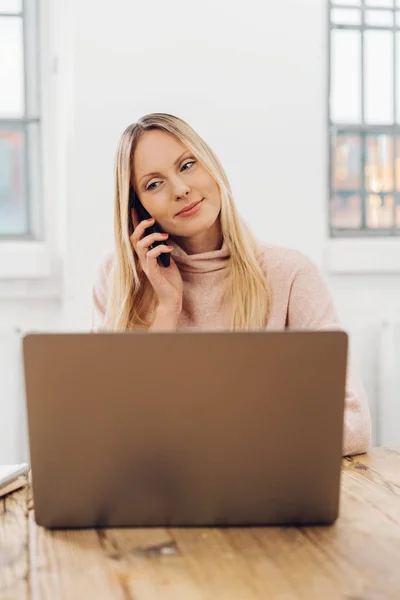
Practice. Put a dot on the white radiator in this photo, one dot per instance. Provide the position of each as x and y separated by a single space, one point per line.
13 429
388 426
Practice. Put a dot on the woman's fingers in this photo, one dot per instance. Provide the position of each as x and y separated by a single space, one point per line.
140 230
155 252
150 239
142 244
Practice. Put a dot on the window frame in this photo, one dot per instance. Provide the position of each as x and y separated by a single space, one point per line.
344 252
30 264
29 123
362 129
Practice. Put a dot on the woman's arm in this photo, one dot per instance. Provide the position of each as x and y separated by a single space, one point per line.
311 307
166 317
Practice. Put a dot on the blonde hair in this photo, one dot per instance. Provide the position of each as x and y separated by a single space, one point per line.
131 296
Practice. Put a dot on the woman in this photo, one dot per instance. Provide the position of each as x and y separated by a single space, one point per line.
219 276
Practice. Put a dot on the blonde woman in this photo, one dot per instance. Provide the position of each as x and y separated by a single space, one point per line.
219 276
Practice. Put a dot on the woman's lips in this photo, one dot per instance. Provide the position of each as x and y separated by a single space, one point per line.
191 211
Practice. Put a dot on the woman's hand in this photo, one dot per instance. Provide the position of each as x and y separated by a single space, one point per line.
166 281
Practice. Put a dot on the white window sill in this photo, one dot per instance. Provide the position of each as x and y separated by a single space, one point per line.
29 270
24 260
362 256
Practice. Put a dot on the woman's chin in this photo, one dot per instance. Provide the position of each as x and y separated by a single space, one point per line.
193 229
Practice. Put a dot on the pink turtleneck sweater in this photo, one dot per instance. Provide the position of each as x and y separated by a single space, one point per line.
301 300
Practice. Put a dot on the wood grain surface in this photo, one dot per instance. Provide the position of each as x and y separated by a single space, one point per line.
358 558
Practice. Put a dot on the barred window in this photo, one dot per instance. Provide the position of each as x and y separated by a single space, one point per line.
20 165
364 118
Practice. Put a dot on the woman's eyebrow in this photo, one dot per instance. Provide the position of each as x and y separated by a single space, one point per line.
156 173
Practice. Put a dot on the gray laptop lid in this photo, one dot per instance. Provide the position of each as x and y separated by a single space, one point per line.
186 428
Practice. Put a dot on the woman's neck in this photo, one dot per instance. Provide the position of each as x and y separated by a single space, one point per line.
206 241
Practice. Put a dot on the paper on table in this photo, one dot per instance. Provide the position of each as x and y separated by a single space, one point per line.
10 472
15 484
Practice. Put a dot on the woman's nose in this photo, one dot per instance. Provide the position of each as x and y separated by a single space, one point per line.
180 188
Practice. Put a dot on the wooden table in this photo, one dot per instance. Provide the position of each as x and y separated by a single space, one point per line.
358 558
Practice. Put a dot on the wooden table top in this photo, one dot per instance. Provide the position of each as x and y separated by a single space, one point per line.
357 558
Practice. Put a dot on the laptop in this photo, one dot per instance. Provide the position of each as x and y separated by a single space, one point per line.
190 428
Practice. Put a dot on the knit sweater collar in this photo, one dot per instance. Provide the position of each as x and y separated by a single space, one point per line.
205 262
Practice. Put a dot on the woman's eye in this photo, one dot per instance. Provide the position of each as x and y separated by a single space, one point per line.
191 162
150 187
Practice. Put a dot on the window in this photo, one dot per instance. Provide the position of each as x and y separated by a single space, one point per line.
364 118
20 181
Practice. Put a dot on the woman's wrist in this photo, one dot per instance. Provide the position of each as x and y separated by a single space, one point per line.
166 318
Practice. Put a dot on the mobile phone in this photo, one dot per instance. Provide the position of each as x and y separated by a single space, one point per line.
164 259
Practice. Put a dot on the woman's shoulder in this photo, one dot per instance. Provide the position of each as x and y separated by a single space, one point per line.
100 289
108 261
283 260
103 268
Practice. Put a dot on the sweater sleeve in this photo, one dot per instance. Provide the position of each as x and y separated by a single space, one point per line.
311 307
100 294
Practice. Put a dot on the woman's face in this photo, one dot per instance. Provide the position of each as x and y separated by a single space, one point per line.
168 178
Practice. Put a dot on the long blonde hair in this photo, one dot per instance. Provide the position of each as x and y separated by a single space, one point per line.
131 296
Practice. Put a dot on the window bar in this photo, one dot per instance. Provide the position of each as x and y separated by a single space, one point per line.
330 126
23 120
368 129
369 27
26 129
357 6
363 136
10 14
394 137
25 59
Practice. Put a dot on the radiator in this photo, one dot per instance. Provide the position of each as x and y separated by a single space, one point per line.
13 424
388 425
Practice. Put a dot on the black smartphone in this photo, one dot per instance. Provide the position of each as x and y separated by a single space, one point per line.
164 259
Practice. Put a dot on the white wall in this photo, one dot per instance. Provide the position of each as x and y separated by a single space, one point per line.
251 79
